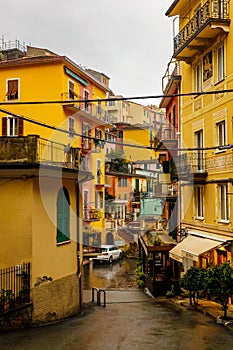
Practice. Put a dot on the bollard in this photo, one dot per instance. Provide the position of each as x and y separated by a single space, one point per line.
98 296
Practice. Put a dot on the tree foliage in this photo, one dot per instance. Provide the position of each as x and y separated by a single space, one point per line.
193 281
219 284
116 153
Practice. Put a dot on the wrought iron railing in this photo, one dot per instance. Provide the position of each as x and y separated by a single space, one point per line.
97 109
211 10
91 214
33 149
14 286
192 162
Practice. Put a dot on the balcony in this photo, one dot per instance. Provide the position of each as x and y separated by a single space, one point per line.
167 192
33 149
201 31
86 109
170 82
191 166
220 163
91 214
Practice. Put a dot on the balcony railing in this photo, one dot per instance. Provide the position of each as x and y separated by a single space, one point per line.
91 214
33 149
95 110
212 10
172 72
193 162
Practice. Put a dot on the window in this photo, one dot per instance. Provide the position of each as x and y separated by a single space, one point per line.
71 127
111 103
12 89
198 193
12 126
85 204
86 97
223 202
207 66
198 77
86 131
71 90
199 145
221 133
99 109
63 215
98 200
220 63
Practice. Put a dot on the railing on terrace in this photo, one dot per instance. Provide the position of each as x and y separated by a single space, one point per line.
14 286
94 109
173 70
211 10
167 132
91 214
12 44
33 149
192 162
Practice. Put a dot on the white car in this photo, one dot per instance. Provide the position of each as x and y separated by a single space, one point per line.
109 253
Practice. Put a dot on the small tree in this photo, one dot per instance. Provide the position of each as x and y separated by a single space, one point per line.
219 284
193 281
117 153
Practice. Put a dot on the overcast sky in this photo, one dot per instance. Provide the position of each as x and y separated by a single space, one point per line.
128 40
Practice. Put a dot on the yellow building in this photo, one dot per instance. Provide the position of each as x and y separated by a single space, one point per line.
69 144
204 45
141 136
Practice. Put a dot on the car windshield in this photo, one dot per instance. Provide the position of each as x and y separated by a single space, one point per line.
104 249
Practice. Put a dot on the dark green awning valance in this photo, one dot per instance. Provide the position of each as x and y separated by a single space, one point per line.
75 76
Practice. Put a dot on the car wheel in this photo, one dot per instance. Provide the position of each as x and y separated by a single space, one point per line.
110 260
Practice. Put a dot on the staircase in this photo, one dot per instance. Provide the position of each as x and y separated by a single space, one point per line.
126 234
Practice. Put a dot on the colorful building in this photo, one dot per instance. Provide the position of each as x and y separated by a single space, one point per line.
203 46
71 136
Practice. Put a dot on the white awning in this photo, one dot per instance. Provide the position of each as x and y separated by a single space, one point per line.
191 247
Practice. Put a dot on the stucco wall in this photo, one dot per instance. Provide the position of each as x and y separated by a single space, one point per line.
55 300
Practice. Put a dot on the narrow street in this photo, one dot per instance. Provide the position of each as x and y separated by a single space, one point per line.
131 320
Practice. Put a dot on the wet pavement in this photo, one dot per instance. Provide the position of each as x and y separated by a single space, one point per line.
130 320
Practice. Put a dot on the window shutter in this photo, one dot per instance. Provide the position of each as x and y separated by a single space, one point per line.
4 126
20 130
63 215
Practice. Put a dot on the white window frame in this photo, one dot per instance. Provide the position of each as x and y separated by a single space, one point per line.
7 81
223 203
198 77
71 129
12 126
221 133
199 202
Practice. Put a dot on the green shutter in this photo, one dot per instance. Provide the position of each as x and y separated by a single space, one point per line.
63 215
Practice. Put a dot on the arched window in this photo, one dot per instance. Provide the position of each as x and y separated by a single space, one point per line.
63 215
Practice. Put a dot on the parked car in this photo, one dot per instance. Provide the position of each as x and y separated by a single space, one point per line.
109 253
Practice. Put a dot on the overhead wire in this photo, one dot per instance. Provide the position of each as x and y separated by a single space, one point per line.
42 124
112 98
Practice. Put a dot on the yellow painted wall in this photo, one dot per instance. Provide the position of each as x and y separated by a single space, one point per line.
50 258
204 112
15 221
138 137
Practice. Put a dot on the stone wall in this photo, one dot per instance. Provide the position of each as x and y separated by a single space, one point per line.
18 149
55 300
17 318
